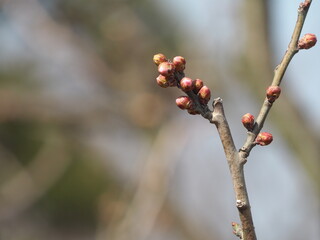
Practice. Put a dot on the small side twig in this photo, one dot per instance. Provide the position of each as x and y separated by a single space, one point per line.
278 76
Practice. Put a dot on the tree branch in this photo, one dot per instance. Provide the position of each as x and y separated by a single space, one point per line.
278 76
172 74
236 169
237 160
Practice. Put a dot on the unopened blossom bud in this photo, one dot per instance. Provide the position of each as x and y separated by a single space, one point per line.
179 62
184 102
307 41
273 92
248 121
186 84
159 58
197 85
264 138
204 95
163 81
166 68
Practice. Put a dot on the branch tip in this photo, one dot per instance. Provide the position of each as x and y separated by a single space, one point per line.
304 5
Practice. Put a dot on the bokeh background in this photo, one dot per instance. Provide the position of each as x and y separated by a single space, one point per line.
92 148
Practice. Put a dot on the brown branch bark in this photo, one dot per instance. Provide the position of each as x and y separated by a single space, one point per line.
236 169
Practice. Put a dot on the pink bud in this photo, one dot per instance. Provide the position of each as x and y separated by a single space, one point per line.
273 92
165 82
197 85
159 58
264 138
186 84
307 41
179 62
166 68
162 81
204 95
248 121
184 102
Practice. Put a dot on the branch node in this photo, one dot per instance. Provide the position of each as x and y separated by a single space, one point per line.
241 205
216 101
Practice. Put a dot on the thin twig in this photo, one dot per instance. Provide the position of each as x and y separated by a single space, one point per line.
278 75
236 160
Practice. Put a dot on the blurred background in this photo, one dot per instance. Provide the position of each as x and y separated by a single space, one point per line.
92 148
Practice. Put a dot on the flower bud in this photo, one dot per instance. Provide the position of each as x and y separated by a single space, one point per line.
204 95
184 102
163 81
273 92
197 85
248 121
186 84
307 41
159 58
166 68
179 62
264 138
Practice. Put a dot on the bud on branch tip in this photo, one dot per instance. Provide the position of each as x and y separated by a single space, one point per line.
171 74
179 62
159 58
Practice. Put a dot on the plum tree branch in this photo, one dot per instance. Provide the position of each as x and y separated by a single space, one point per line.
278 76
198 95
237 160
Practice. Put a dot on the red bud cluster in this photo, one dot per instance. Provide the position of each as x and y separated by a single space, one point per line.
307 41
172 74
264 138
167 69
248 121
